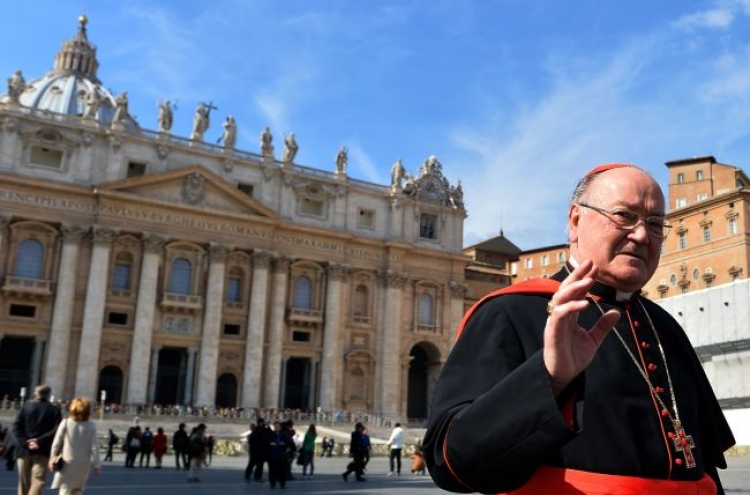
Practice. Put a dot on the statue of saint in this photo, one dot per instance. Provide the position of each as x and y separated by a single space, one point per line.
201 121
16 86
165 116
290 148
397 173
342 159
121 107
93 102
229 138
266 148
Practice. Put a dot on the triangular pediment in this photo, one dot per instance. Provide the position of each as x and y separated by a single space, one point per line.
192 186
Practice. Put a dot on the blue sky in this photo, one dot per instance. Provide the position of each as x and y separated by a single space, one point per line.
516 98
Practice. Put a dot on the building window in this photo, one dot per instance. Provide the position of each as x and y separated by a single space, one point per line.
180 277
298 336
22 310
680 178
428 226
302 293
699 175
707 233
733 226
681 202
46 157
366 219
311 207
561 257
361 303
29 259
673 280
545 260
682 240
246 188
702 197
121 276
115 318
528 263
234 290
136 169
231 329
696 274
426 310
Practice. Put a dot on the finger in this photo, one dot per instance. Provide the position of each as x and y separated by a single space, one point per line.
603 326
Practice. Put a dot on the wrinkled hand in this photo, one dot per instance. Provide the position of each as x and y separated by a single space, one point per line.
568 347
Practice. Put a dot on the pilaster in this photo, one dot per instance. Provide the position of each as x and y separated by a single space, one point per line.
209 357
252 373
93 316
388 376
272 375
143 329
330 372
56 368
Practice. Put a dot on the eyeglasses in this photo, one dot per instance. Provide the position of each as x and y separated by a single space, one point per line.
656 226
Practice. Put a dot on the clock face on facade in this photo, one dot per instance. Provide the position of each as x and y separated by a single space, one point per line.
431 188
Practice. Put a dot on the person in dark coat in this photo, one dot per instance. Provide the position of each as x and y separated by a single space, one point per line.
259 448
357 452
179 446
34 429
578 383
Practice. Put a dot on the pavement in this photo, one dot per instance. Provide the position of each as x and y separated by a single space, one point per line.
225 476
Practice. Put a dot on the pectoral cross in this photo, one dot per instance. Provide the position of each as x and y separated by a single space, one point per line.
684 443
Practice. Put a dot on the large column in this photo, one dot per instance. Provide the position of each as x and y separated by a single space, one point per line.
389 346
56 368
190 376
36 359
256 326
330 373
140 349
272 375
93 315
4 222
154 368
214 304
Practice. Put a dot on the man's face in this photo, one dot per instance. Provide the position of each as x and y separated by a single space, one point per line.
626 258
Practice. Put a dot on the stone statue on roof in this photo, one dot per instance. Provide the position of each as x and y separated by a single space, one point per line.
398 172
93 102
165 117
342 158
201 121
266 148
290 148
121 107
16 86
229 138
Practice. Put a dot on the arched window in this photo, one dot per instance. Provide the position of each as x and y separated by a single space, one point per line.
361 302
29 259
426 310
180 277
302 292
234 289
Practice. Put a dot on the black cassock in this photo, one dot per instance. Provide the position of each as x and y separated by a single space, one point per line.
495 419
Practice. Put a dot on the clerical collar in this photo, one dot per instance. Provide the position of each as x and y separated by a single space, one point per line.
601 290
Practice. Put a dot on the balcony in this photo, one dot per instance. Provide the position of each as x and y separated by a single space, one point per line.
303 316
27 288
183 303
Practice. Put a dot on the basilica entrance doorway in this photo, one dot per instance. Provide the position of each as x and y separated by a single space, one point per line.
423 370
171 376
298 376
16 354
110 381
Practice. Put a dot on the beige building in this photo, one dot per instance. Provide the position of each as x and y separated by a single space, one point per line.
150 267
708 205
490 268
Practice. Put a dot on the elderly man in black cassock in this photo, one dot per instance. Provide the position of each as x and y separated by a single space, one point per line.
578 384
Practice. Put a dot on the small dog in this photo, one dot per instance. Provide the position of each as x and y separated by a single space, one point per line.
417 463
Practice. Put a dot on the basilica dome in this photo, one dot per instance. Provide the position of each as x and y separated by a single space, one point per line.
72 85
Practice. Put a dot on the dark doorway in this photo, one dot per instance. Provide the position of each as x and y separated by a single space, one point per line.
110 380
297 383
171 376
226 391
15 366
416 406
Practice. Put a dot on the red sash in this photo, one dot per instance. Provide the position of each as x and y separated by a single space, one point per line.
561 481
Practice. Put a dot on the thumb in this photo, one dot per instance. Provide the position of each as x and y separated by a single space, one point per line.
603 326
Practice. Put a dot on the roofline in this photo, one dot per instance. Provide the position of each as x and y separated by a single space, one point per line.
695 159
547 248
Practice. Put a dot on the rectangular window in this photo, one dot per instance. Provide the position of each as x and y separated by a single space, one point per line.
528 263
301 336
312 207
706 234
117 318
234 289
699 175
681 202
561 257
702 197
121 277
428 226
231 329
136 169
22 310
732 226
46 157
545 260
682 240
246 188
366 219
680 178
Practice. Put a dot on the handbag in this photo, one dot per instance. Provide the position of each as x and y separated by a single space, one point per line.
58 463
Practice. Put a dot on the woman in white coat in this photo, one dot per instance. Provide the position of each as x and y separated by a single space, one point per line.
76 439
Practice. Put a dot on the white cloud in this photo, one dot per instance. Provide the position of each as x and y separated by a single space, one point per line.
717 18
